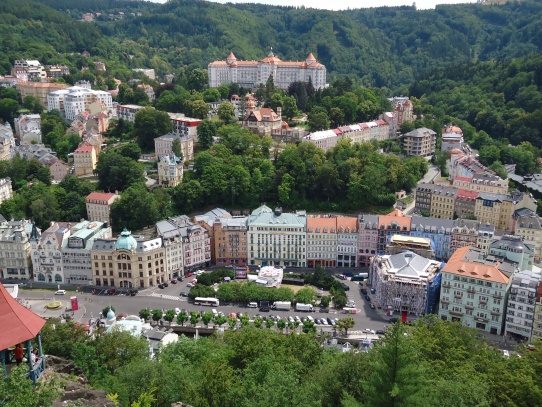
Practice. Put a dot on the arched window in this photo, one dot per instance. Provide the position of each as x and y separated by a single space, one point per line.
41 277
58 278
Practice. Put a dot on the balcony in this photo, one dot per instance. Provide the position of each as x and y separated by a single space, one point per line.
495 313
456 313
458 296
471 290
497 295
469 306
446 285
483 302
445 301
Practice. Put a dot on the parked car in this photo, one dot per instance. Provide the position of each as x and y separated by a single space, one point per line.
183 294
363 291
60 292
331 321
346 287
190 285
380 332
252 305
372 306
173 281
297 319
369 331
324 310
189 274
368 298
341 277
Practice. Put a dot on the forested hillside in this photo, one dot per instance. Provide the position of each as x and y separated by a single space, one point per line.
382 47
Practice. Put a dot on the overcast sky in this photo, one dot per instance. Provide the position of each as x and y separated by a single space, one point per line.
344 4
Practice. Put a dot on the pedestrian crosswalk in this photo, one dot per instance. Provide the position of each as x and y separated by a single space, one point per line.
168 297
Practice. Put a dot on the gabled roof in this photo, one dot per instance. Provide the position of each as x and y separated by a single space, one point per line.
460 265
18 323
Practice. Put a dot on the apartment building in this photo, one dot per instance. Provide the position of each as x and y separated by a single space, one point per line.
443 201
7 142
39 90
537 323
76 260
47 255
395 223
514 249
250 74
128 112
99 206
15 250
529 227
368 227
163 145
439 231
321 241
324 139
74 100
6 192
84 160
28 128
471 233
193 241
33 69
347 241
403 108
128 261
420 142
473 293
264 121
276 238
231 241
452 138
170 171
184 126
465 202
401 280
520 312
498 209
56 71
207 221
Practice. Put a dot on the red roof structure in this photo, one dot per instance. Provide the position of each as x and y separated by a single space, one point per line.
18 323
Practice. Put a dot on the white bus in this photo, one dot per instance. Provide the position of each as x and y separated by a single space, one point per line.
207 301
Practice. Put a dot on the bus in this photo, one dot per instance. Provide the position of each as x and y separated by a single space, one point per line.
207 301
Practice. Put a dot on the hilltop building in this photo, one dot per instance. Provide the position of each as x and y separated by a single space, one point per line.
250 74
99 206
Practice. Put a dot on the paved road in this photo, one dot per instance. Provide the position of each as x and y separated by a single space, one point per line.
91 305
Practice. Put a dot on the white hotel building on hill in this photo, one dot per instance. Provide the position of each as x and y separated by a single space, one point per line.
72 101
251 74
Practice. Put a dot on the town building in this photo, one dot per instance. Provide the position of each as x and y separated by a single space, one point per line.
537 324
420 142
56 71
59 169
324 139
207 221
7 142
184 126
147 72
422 246
521 304
264 121
6 192
452 137
465 201
84 160
28 128
187 239
473 292
276 238
47 253
230 241
15 250
163 145
498 209
463 165
394 223
99 206
401 280
321 241
39 90
367 238
128 112
76 260
74 100
347 241
128 261
170 171
515 250
250 74
442 201
471 233
403 108
439 231
33 69
529 227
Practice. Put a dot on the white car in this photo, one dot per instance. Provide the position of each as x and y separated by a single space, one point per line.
190 285
505 353
60 292
369 331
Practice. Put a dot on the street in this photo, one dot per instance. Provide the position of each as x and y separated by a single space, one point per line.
168 298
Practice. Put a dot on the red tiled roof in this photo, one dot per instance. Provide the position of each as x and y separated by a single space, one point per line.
84 149
322 223
463 193
18 323
457 265
466 179
100 196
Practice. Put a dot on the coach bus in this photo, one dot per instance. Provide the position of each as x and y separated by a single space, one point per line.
207 301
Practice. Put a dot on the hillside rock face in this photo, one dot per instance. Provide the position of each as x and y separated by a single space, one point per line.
74 390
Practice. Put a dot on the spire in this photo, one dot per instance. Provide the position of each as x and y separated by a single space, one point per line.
271 53
310 59
34 235
231 58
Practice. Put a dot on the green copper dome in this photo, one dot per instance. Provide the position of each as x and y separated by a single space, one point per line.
126 241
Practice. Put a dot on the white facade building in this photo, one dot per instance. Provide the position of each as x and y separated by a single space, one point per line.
74 100
15 250
7 142
521 304
251 74
47 255
170 171
6 192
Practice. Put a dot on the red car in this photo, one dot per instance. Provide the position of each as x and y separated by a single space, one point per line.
173 281
189 274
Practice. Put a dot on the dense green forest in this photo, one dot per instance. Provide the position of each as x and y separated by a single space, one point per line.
381 47
432 363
